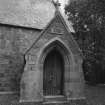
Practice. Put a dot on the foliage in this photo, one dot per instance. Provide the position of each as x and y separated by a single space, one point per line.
88 18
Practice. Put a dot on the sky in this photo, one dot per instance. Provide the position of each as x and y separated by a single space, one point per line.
63 2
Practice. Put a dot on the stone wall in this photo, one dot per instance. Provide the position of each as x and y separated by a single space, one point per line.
14 42
15 39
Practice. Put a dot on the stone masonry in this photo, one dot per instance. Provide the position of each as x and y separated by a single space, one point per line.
22 54
55 35
14 42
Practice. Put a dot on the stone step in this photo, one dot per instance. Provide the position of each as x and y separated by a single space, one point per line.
57 102
55 99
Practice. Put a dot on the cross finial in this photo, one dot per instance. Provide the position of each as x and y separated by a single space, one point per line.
56 3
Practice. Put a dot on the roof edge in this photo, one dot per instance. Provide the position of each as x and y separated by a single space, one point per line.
19 26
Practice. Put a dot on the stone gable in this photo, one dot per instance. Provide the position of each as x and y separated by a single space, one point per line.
54 36
57 28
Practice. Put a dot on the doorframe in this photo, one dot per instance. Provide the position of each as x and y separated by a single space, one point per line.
66 54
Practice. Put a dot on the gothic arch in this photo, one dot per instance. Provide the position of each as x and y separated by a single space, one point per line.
60 46
64 51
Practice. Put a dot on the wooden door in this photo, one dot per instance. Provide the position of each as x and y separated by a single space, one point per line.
53 74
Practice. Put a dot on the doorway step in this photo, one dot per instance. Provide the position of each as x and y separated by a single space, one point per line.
62 100
54 99
51 102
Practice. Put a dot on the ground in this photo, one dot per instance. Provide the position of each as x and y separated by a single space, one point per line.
95 94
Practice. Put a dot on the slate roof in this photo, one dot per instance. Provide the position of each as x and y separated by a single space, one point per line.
28 13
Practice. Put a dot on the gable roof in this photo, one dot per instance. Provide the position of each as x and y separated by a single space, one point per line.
27 13
68 28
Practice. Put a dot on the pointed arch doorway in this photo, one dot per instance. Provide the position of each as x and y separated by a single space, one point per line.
53 76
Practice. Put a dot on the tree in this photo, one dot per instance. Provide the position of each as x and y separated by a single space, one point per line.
88 18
